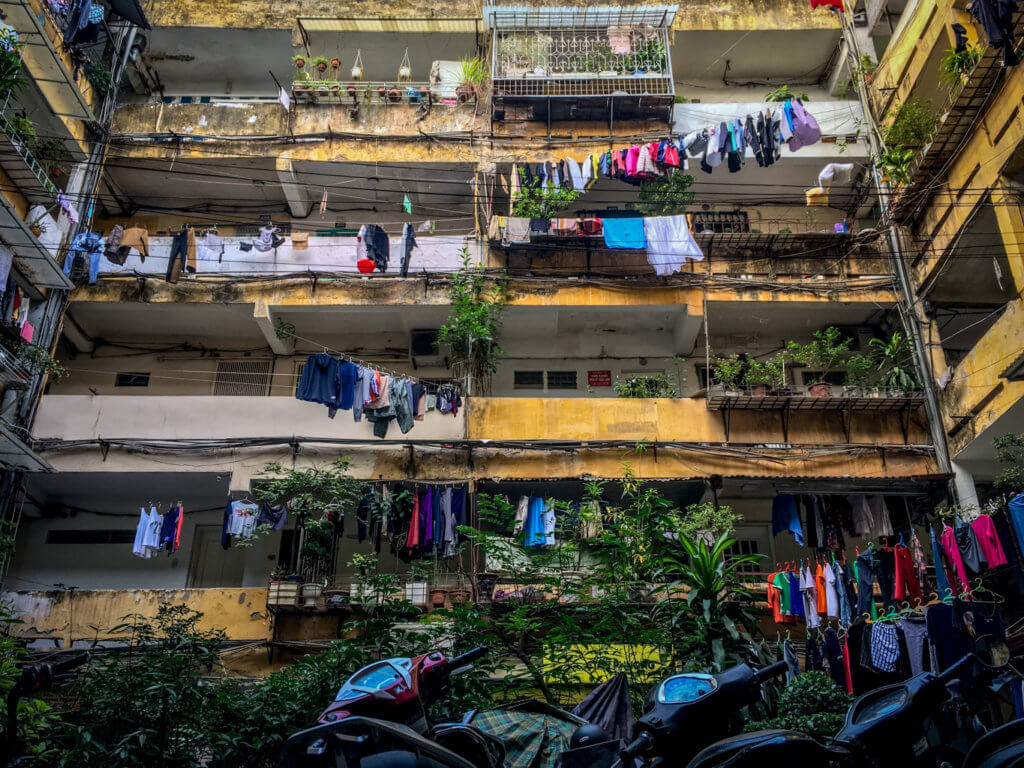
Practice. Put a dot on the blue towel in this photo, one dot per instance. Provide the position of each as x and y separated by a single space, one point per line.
785 517
624 233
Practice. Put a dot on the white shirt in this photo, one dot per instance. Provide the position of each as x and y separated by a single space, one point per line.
831 596
522 511
809 592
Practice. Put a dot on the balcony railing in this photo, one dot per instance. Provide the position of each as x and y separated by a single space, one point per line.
352 92
20 164
581 63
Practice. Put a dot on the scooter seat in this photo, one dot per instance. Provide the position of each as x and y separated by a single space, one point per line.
761 748
1000 748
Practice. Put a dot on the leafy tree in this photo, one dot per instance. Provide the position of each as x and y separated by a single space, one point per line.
812 704
666 195
1010 452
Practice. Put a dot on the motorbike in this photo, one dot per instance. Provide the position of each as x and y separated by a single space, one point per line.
379 720
689 720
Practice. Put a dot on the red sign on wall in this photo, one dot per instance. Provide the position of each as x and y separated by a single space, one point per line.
599 378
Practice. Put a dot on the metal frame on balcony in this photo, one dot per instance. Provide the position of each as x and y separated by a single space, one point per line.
31 257
961 112
386 93
16 453
18 162
581 63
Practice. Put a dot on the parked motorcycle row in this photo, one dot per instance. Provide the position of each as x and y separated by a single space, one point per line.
946 720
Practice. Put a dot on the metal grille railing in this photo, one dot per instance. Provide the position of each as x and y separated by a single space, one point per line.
20 147
582 61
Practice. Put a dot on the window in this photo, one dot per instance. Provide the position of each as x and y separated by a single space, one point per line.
836 378
745 547
245 377
528 380
561 379
91 536
132 380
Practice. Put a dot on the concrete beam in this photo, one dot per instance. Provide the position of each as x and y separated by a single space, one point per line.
300 201
268 327
79 339
686 330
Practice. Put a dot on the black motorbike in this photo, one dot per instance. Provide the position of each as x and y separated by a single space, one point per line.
928 720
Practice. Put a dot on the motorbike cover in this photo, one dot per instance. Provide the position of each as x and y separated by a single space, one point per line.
359 740
761 748
1000 748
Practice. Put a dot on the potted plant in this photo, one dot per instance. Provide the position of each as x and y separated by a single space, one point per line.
394 95
301 83
726 371
859 372
321 64
472 79
785 93
821 355
764 377
894 359
956 66
363 566
460 595
316 555
299 61
707 522
416 586
284 589
437 596
335 63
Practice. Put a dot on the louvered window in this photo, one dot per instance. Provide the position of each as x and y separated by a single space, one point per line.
243 377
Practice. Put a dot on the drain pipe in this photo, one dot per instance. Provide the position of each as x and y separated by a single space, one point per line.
906 304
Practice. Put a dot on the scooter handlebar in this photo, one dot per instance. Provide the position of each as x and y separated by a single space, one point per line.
772 670
67 665
469 657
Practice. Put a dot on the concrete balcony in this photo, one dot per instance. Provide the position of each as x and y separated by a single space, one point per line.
46 60
85 417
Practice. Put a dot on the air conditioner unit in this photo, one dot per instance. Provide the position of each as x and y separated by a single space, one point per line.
423 348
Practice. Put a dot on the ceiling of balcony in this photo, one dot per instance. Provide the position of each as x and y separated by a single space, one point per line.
233 324
210 61
762 56
979 457
978 270
124 491
763 325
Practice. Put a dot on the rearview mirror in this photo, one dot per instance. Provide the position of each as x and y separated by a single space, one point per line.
993 652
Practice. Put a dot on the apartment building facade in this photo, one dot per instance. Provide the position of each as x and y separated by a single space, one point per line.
317 120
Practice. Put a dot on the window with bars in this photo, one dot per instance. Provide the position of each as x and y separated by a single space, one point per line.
528 380
561 379
745 547
249 378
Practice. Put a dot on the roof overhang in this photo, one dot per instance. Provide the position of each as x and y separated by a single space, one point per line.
383 24
547 17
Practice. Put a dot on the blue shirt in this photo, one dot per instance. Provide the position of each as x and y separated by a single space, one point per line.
786 517
624 233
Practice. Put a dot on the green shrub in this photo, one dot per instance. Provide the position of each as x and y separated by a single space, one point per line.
812 703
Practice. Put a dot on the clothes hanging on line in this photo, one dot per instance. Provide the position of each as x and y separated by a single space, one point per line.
239 522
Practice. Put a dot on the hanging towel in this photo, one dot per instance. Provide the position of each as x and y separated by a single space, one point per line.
624 233
835 172
669 243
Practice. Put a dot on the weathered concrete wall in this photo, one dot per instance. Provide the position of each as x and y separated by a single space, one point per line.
693 14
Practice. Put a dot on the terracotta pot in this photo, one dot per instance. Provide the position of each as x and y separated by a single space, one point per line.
300 63
821 389
321 67
383 93
465 92
394 95
460 596
336 63
351 91
437 597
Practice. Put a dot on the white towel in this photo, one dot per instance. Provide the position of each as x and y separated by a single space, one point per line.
669 243
835 172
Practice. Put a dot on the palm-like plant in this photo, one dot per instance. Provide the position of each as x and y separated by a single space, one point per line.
895 361
719 601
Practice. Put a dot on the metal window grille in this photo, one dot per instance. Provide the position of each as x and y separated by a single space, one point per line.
132 380
245 377
299 367
745 547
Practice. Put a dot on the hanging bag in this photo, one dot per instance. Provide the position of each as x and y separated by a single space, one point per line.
805 127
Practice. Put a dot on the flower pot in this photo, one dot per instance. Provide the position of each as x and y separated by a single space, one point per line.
416 592
310 592
323 90
465 92
820 389
335 63
335 598
394 95
36 230
321 68
485 583
460 596
437 597
283 593
382 92
300 63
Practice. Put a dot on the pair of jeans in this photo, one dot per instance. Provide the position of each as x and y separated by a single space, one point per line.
179 251
94 264
886 575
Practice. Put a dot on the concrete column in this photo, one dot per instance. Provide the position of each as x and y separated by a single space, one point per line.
965 490
268 327
300 201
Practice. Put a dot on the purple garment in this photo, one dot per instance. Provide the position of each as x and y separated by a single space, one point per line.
436 536
427 521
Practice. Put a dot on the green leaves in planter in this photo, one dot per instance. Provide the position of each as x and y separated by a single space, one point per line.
653 385
812 703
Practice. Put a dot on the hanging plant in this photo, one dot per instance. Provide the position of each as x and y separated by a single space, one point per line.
470 333
299 61
99 77
335 63
321 64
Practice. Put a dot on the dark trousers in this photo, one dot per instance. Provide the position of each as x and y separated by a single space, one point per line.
865 583
179 253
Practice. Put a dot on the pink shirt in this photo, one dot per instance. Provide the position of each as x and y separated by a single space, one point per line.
956 562
632 156
988 539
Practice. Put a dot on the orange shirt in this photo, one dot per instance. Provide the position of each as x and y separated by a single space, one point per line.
819 583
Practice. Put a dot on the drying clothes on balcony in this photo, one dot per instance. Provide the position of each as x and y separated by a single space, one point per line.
669 243
183 254
786 517
86 249
267 239
275 517
540 523
147 534
239 522
991 548
170 529
958 570
448 400
624 233
805 128
870 515
907 586
328 381
408 243
996 18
